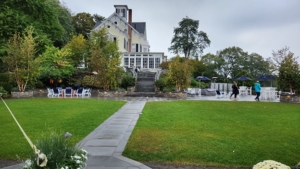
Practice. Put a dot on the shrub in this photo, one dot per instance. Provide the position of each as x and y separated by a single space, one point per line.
60 153
3 92
127 80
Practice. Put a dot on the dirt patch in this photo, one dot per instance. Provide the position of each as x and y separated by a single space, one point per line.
6 163
167 166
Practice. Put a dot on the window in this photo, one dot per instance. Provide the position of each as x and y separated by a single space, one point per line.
115 39
157 62
125 61
136 47
145 62
131 62
151 62
138 62
133 47
140 48
108 26
116 22
123 12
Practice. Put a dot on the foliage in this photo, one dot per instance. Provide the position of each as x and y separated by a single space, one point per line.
78 47
3 92
164 65
161 82
212 63
228 134
230 61
83 23
179 74
21 60
188 40
198 67
65 20
55 64
44 115
256 66
127 80
285 64
59 152
89 80
5 81
104 59
42 15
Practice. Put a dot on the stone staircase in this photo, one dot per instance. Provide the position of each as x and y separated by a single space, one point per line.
145 85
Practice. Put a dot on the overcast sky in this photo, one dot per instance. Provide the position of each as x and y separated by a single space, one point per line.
256 26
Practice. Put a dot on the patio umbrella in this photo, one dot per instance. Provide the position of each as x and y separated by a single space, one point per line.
243 78
202 78
266 78
199 78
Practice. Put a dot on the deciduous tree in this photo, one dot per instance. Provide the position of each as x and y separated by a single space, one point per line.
179 74
288 69
104 59
56 64
78 46
83 23
20 59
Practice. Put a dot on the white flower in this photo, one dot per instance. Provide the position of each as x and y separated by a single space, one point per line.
77 157
78 161
62 168
270 164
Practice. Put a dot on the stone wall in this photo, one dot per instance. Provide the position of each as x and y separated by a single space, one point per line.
22 94
289 98
179 95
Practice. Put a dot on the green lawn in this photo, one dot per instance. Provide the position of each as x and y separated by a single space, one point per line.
213 133
42 116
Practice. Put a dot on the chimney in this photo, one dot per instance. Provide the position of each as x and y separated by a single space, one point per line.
130 29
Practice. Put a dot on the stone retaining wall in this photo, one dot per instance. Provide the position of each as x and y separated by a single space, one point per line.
288 98
21 94
180 95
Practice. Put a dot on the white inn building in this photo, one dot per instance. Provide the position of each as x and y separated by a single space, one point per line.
131 38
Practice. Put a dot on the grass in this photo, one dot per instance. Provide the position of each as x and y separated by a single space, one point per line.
211 133
44 115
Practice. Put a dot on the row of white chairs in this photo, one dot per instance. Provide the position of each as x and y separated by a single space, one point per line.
57 92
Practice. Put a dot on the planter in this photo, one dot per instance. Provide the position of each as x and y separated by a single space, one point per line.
22 94
289 98
179 95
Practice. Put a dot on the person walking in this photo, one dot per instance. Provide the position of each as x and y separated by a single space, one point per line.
235 90
257 90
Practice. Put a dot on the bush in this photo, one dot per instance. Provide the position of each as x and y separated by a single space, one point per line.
3 92
6 86
194 83
60 153
127 80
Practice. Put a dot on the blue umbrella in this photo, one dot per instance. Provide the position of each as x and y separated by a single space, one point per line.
199 78
243 78
202 78
266 78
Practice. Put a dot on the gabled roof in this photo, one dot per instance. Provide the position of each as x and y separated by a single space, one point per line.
139 26
97 24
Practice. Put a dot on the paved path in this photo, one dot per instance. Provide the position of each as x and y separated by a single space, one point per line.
107 142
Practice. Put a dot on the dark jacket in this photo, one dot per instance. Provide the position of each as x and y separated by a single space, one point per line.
235 89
